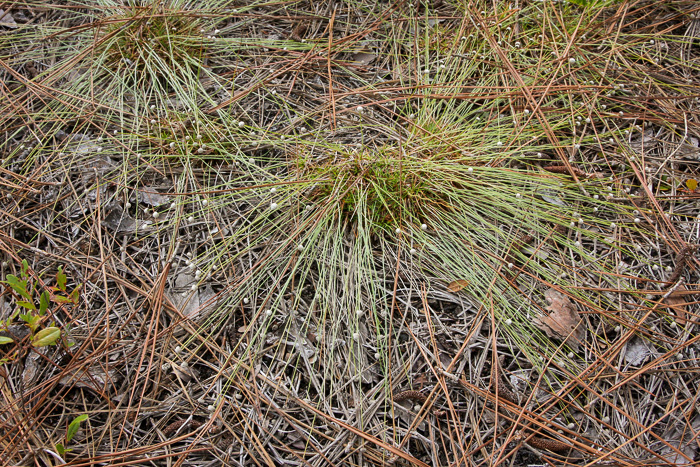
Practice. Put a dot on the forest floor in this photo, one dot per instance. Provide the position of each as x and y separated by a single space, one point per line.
440 233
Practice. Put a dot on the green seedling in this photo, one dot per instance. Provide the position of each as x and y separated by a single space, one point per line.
34 316
70 432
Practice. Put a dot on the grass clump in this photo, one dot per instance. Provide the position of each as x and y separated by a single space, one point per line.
156 38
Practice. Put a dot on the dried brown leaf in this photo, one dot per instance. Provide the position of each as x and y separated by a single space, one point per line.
299 31
456 286
363 57
677 304
563 322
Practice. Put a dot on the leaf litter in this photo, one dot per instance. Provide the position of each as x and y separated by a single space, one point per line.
563 321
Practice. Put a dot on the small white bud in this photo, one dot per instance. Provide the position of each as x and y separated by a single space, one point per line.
190 219
572 60
300 247
509 321
637 220
246 301
413 251
424 226
273 205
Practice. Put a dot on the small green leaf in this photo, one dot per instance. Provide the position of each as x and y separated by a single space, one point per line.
44 302
27 305
25 269
19 286
47 336
6 340
31 320
61 279
61 299
75 426
60 450
75 295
